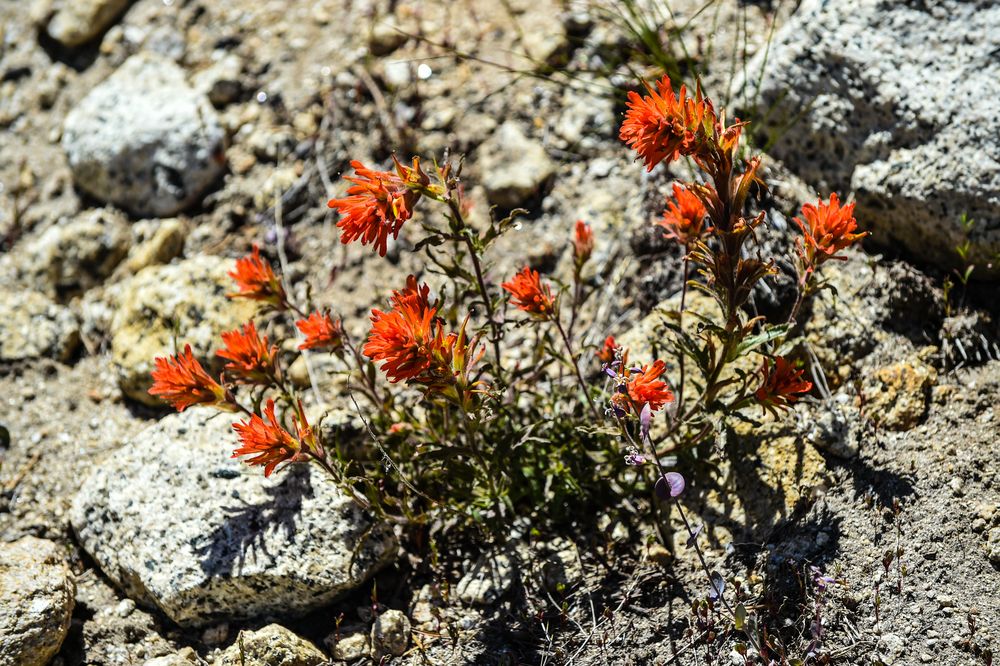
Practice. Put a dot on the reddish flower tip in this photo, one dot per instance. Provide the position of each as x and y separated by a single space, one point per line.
783 384
378 203
250 359
256 280
684 218
530 295
828 228
267 441
606 354
182 381
583 242
321 331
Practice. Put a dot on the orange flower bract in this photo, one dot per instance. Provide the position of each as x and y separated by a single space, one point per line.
783 384
684 218
267 441
530 295
378 203
250 359
828 229
256 280
182 381
662 126
321 331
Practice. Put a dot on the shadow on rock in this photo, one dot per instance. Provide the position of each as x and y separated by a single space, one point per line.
245 525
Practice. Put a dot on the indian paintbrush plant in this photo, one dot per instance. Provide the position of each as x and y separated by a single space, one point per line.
483 400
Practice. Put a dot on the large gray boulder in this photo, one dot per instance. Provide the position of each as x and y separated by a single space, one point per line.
37 591
898 102
144 139
178 524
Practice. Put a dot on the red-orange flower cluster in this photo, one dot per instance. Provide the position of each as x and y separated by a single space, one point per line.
828 229
530 295
583 243
783 384
409 340
256 280
662 126
321 331
684 218
378 203
182 381
250 359
268 442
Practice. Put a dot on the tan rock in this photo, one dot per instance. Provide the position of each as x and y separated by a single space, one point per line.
349 646
897 395
37 593
271 646
166 243
390 634
162 308
76 22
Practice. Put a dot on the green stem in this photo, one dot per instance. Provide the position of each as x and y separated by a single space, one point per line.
576 367
480 283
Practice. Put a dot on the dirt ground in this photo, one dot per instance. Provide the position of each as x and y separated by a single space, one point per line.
888 483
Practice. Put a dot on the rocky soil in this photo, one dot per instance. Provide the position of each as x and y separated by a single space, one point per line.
147 144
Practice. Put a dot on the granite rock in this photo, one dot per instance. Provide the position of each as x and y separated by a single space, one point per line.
179 525
513 167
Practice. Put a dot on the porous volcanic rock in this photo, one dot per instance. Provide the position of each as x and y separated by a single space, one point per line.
897 102
178 524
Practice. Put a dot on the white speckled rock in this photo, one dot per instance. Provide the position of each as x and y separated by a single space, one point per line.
183 302
32 326
177 523
37 592
272 645
144 139
513 167
76 22
899 102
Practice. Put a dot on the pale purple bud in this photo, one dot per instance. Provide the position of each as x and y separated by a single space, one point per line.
645 418
669 485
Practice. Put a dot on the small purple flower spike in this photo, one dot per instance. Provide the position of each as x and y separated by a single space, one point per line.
645 418
669 485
